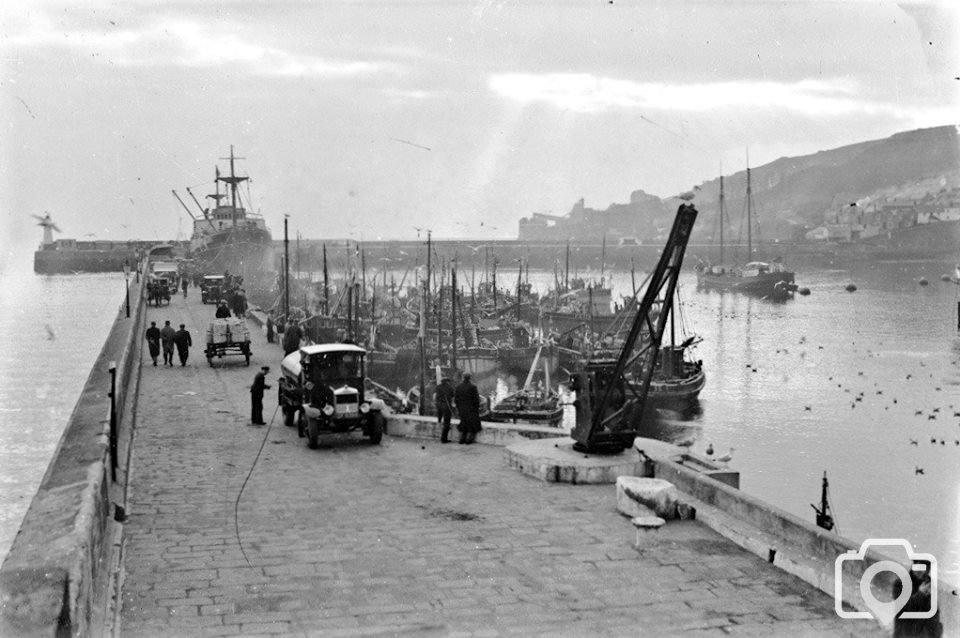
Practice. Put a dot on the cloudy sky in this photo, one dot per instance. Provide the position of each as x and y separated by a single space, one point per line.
369 119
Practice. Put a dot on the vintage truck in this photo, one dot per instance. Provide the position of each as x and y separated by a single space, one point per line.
321 388
211 289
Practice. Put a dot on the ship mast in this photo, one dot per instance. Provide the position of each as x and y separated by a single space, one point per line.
233 180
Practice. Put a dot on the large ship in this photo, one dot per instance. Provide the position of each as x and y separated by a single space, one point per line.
228 237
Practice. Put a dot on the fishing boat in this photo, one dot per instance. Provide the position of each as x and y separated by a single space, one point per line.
678 379
769 280
228 237
533 403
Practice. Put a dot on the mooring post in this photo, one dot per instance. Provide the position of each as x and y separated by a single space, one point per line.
113 420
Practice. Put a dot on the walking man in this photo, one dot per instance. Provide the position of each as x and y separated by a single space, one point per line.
185 281
183 341
443 399
153 341
256 396
166 337
222 311
467 399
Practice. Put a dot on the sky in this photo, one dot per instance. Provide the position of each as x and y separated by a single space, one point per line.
378 120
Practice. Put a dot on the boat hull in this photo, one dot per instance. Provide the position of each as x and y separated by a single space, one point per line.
774 285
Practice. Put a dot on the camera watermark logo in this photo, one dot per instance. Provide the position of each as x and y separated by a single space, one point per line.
925 565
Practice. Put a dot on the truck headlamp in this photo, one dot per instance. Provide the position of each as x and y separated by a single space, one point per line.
364 407
328 410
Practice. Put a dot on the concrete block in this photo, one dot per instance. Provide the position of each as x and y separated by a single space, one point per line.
656 494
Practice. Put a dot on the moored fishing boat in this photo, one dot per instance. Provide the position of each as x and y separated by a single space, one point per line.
533 403
769 280
677 381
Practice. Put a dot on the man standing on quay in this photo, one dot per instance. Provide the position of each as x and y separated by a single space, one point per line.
467 399
256 396
183 341
443 398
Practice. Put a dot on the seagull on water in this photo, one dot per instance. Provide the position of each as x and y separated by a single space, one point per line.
726 457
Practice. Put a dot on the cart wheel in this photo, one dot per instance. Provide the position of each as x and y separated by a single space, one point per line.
248 359
313 430
376 430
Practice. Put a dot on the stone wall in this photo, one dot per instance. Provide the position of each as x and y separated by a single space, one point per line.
789 542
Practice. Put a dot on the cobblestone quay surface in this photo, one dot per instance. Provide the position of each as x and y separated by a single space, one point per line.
236 530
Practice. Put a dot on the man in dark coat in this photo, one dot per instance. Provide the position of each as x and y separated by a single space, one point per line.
443 399
222 311
467 399
269 329
256 396
183 342
239 304
291 338
153 341
166 337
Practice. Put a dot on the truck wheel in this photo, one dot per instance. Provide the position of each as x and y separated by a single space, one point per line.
287 416
301 424
248 359
210 359
377 428
313 430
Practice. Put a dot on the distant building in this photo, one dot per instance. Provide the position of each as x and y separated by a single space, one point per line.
645 217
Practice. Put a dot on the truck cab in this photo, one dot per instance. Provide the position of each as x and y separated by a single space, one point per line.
211 289
322 388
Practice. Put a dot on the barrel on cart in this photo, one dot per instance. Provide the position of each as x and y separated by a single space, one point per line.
228 336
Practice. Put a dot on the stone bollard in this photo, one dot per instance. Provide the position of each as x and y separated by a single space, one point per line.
646 525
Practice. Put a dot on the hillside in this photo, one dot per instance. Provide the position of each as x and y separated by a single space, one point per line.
792 193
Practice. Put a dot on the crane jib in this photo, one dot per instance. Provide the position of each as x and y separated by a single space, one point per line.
607 420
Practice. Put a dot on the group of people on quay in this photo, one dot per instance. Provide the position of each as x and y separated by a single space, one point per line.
466 399
166 339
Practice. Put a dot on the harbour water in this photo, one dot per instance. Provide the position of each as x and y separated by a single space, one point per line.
52 328
834 382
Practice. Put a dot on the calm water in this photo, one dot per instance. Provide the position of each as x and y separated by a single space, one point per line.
838 382
783 381
52 328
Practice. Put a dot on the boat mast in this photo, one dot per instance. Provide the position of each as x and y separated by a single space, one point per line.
603 258
749 213
453 307
326 284
519 284
722 215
